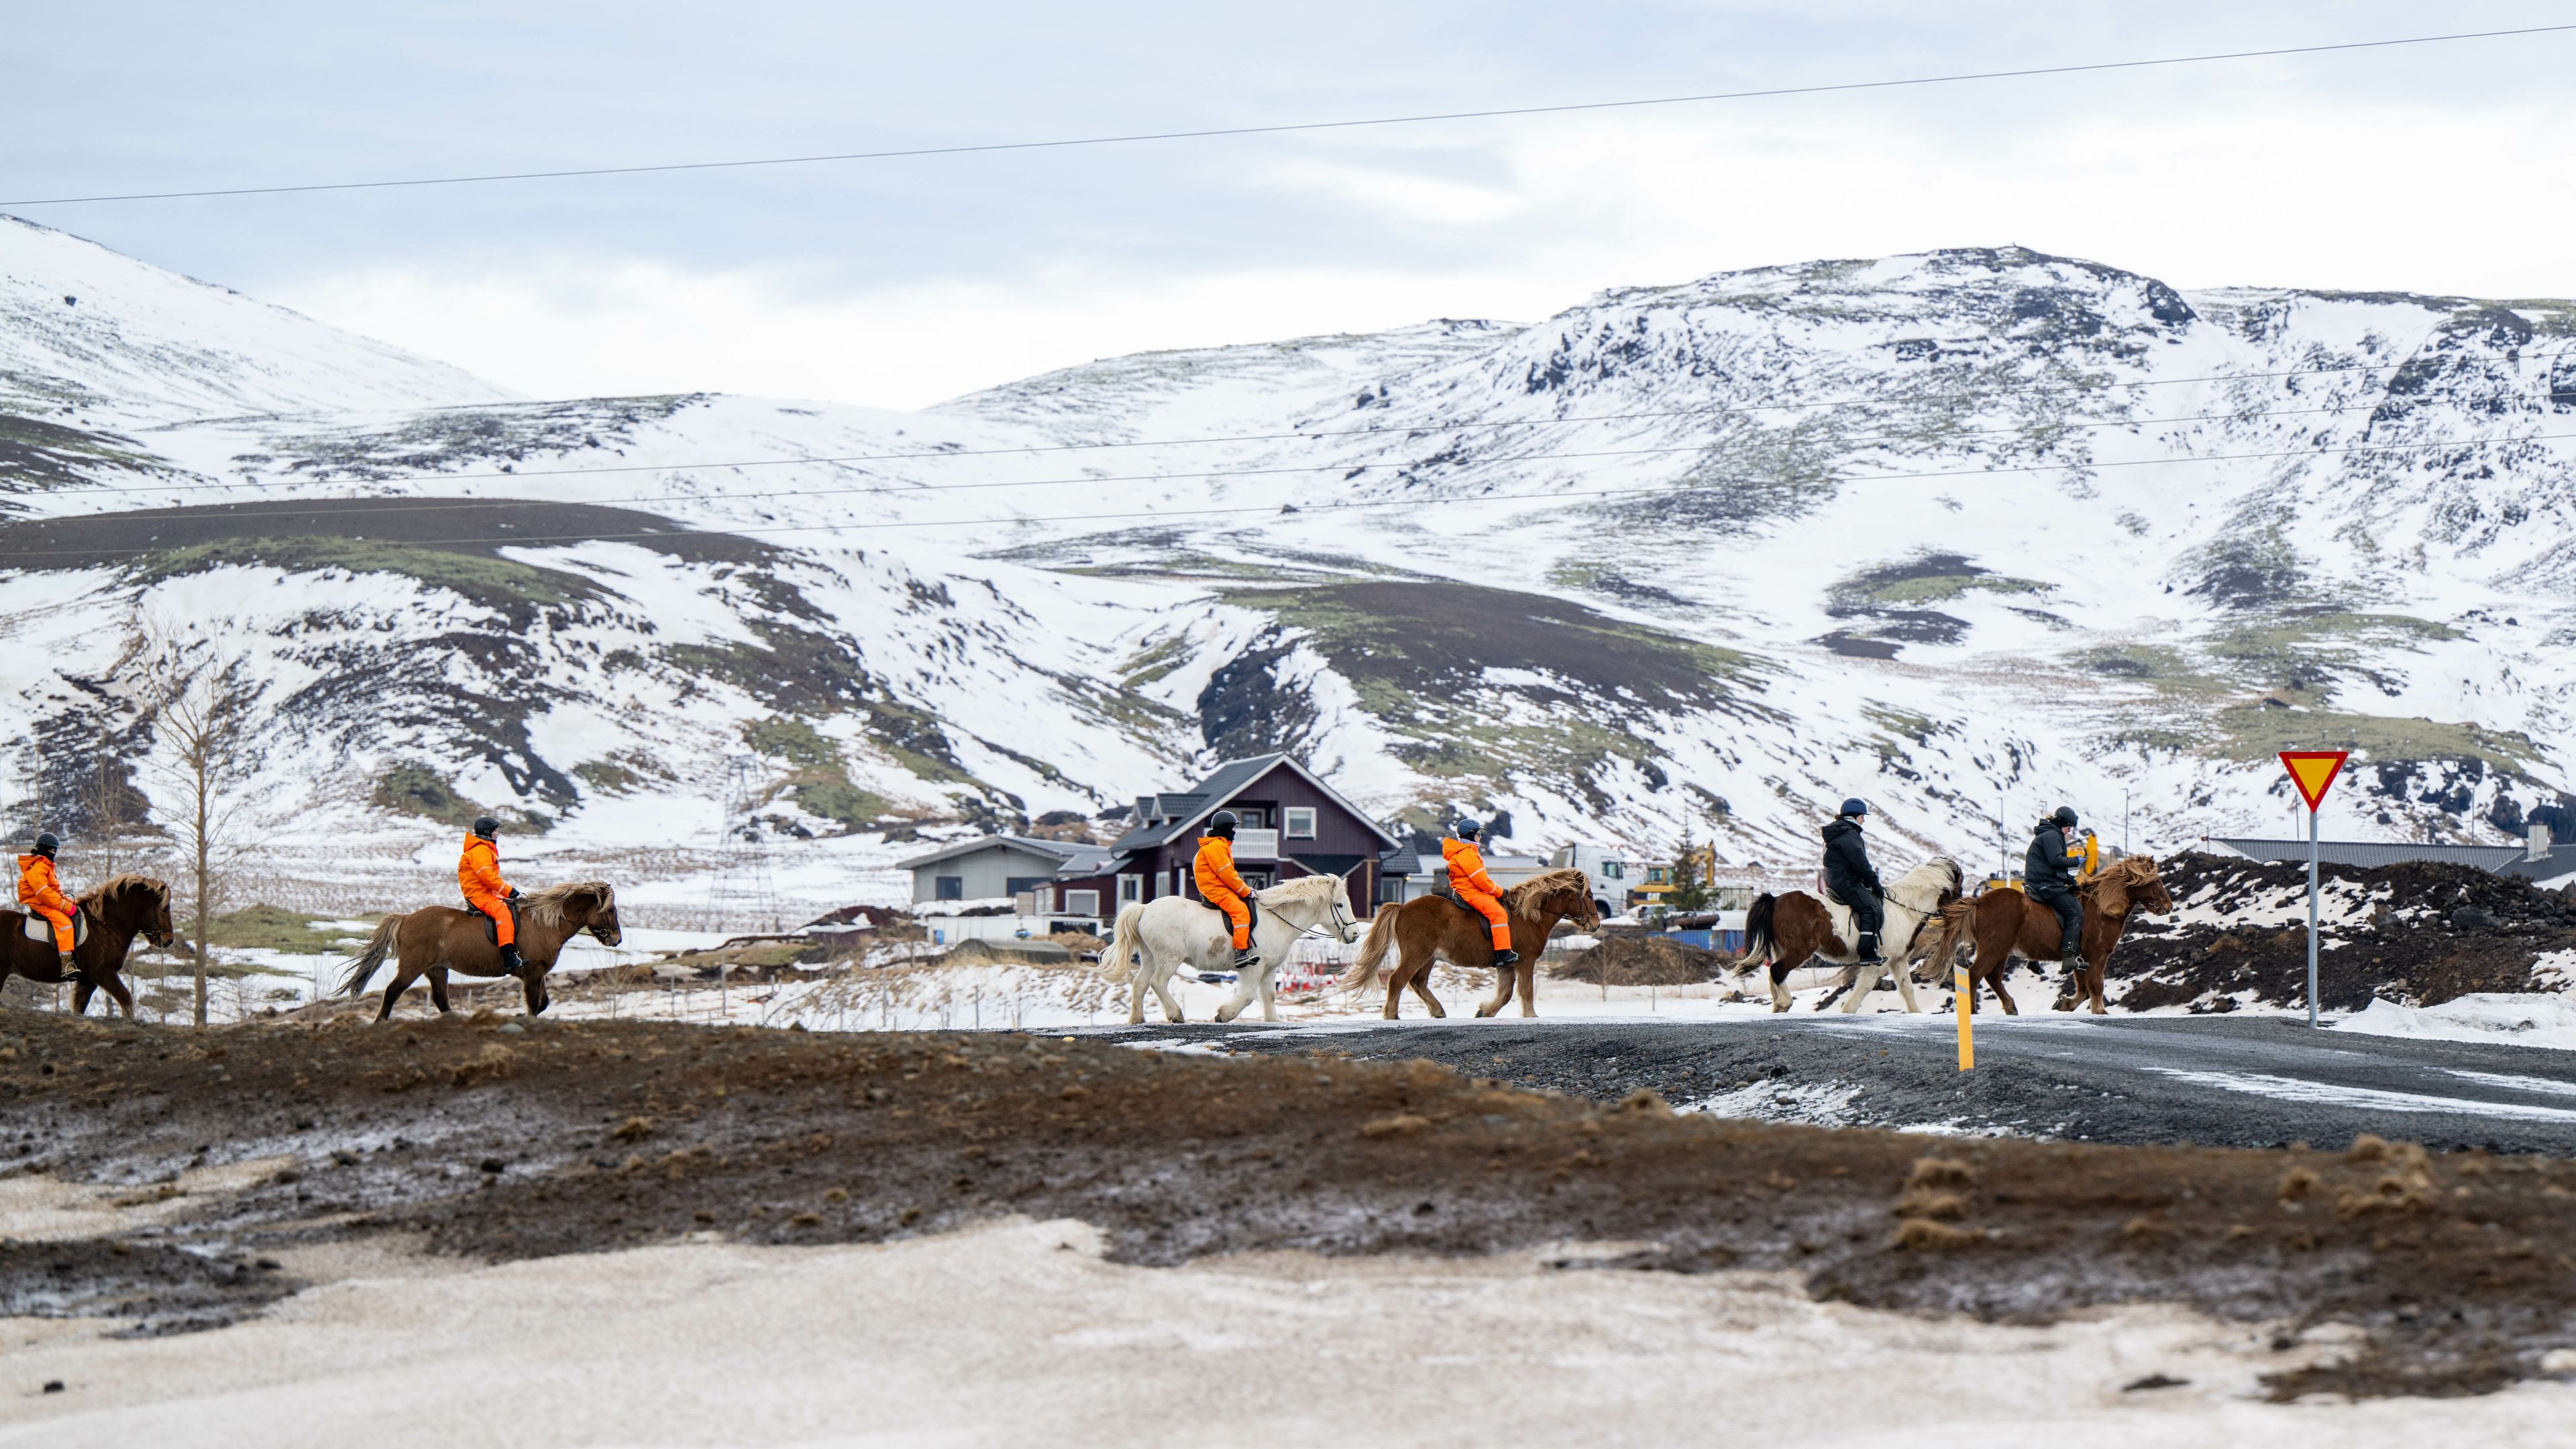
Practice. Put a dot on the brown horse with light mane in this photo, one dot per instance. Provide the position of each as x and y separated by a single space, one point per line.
2003 924
435 940
1429 928
1784 932
115 913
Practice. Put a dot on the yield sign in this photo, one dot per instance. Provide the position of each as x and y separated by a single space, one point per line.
2313 772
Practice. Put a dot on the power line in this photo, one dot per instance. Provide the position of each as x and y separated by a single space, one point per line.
291 505
1648 489
841 459
1211 132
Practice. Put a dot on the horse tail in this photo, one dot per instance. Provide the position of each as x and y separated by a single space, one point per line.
364 964
1954 924
1372 951
1757 932
1126 945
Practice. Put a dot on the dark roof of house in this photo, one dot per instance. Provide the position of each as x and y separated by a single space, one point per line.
1184 810
1088 861
2370 854
1031 844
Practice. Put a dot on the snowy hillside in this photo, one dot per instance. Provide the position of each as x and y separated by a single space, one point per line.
1973 531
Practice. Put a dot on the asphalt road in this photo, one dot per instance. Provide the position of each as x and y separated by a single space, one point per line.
2239 1082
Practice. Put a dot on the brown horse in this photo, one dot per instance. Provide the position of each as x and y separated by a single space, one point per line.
124 908
435 940
1784 932
2003 924
1431 927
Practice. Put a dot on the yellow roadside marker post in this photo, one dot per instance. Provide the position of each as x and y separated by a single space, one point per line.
2312 773
1967 1033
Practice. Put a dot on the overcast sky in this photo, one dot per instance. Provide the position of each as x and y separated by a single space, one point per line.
2429 168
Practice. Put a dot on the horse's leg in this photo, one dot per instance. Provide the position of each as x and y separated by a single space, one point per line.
438 989
1905 988
1504 979
82 989
1269 992
533 987
1864 981
1995 978
1779 974
1396 976
1528 970
394 990
1422 984
1242 997
2093 988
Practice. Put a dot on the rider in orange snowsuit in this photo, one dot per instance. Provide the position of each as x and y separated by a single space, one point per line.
41 891
1467 877
1221 887
478 874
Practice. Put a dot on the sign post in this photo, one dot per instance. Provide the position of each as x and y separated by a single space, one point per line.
1967 1032
2312 773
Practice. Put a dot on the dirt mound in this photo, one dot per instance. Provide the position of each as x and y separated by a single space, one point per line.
1033 952
1643 961
502 1138
2417 934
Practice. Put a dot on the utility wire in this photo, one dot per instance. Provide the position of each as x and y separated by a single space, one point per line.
1650 489
1206 133
842 459
296 505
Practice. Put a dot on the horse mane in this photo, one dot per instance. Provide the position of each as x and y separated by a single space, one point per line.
1320 887
2131 870
97 896
546 907
1524 898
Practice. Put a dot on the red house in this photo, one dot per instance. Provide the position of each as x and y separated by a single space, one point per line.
1290 823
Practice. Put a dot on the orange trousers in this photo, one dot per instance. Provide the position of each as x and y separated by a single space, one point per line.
499 910
1491 908
1235 911
62 921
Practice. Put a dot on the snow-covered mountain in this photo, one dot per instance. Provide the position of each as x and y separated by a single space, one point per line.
1970 532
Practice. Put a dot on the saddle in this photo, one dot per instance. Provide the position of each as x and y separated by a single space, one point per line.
1450 894
491 930
40 929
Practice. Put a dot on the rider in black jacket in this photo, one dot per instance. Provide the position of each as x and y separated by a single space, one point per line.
1853 881
2048 877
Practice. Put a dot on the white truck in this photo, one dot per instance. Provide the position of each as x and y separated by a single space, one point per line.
1607 870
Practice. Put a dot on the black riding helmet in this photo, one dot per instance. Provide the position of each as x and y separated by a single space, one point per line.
2064 817
46 845
1221 825
1855 806
1465 830
484 825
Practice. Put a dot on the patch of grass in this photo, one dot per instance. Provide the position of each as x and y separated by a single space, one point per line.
621 773
793 740
416 789
263 927
838 799
2258 732
498 583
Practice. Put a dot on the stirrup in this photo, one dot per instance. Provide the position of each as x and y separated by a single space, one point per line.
1245 958
1506 957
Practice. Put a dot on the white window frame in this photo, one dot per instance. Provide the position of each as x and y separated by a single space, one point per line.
1292 817
1131 889
1082 903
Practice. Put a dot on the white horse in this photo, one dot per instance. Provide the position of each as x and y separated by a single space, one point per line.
1154 939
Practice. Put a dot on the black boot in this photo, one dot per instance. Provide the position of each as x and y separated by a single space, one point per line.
510 962
1244 959
1869 950
1506 957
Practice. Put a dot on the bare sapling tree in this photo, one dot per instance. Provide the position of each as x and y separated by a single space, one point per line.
203 711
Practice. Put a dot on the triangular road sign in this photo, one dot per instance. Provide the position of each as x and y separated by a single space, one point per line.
2313 772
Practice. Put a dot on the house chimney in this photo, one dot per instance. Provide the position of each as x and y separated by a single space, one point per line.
2536 844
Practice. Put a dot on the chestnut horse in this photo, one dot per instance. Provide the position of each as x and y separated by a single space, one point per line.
1784 932
2004 923
124 908
1427 928
435 940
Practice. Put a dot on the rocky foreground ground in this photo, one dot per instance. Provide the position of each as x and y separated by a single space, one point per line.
494 1138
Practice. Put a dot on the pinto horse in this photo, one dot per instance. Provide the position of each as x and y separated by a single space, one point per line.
117 912
435 940
2003 924
1429 928
1784 932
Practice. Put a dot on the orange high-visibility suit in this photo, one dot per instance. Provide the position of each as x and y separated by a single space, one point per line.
478 874
39 890
1220 887
1467 877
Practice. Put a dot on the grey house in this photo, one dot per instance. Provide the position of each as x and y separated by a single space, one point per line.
988 867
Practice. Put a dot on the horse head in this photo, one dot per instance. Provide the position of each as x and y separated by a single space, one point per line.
1346 924
1565 894
137 905
2132 883
576 907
